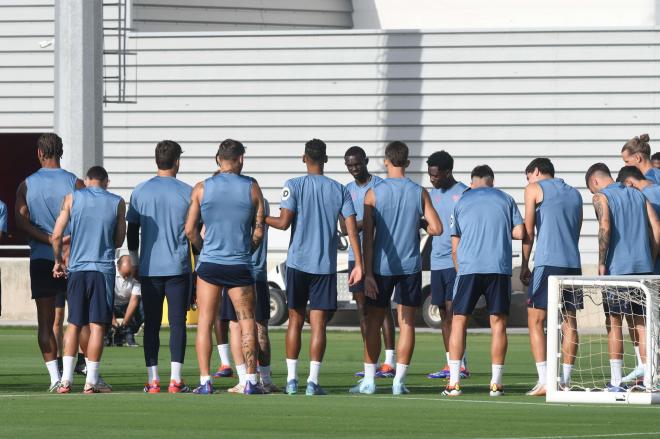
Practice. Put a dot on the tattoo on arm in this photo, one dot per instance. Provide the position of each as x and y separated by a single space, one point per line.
603 229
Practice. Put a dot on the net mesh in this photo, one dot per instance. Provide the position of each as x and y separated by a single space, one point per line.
605 320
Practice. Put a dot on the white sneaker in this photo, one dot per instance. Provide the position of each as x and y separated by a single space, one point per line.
53 387
635 375
537 390
238 388
496 390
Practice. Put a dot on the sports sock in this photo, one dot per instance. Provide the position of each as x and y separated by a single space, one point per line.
369 373
497 370
291 369
464 360
454 372
541 370
639 357
203 379
223 351
241 370
175 374
400 375
152 373
67 368
92 372
567 369
447 355
53 371
314 369
389 357
264 373
81 358
251 378
616 371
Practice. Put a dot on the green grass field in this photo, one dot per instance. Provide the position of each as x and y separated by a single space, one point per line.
26 410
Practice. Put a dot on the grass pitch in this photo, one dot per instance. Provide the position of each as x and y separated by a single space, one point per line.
26 410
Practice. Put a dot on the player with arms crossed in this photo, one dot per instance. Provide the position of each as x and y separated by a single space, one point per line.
158 209
628 237
98 227
231 207
637 152
312 205
393 211
485 221
553 210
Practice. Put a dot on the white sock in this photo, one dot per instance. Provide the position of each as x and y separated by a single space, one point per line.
447 355
616 371
497 370
314 369
241 370
464 360
152 373
92 372
203 379
223 351
53 371
67 368
291 369
369 373
639 357
541 369
454 371
389 357
251 378
400 375
264 373
175 374
567 369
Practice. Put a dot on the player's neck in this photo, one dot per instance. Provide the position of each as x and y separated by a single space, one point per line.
314 169
645 167
362 180
166 172
396 172
50 163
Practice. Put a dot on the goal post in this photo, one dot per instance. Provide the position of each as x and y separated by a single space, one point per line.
577 329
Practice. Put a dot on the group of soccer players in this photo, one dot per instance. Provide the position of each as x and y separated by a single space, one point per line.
75 227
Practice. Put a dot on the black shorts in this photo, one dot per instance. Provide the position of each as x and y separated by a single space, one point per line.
632 303
358 287
407 290
42 282
261 304
442 286
90 296
320 290
495 287
537 294
225 275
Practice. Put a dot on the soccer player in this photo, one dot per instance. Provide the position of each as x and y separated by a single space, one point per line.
553 210
655 160
38 201
231 207
393 210
485 221
158 208
445 194
356 162
311 205
97 221
628 238
637 152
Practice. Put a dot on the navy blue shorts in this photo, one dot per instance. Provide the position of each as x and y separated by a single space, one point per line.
407 290
358 287
633 302
496 288
261 304
442 286
537 294
320 290
42 282
225 275
90 295
60 299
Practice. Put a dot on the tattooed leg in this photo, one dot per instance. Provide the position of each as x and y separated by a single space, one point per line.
263 342
243 301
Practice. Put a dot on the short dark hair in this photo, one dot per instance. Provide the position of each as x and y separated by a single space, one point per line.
167 153
629 171
638 144
656 156
600 168
397 153
544 165
50 145
482 171
441 160
230 149
355 151
315 150
97 173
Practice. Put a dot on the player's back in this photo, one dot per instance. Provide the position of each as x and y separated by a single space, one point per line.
653 174
444 201
484 218
93 222
630 248
558 221
228 215
396 218
46 190
159 205
652 194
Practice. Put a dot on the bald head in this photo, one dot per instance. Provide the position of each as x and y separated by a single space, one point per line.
124 266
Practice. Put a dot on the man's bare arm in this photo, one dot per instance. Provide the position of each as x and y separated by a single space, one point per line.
433 223
120 228
132 307
22 217
604 230
259 216
282 222
518 232
455 240
531 195
194 213
59 268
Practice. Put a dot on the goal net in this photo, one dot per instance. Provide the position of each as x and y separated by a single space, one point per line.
604 339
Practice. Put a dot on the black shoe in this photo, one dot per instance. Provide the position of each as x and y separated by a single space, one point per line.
60 365
130 340
118 339
81 368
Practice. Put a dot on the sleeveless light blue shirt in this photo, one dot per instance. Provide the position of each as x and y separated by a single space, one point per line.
630 247
228 214
357 196
159 205
46 190
558 220
652 193
396 218
260 256
444 201
93 222
653 174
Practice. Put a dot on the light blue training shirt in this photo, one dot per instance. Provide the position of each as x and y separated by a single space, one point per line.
357 196
444 201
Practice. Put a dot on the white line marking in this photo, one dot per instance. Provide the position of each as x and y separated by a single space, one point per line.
581 436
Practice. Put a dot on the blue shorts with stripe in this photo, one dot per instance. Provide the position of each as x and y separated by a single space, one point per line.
537 294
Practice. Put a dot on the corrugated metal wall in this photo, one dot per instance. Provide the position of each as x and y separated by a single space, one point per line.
500 98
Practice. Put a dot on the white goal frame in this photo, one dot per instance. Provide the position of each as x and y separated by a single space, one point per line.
553 391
